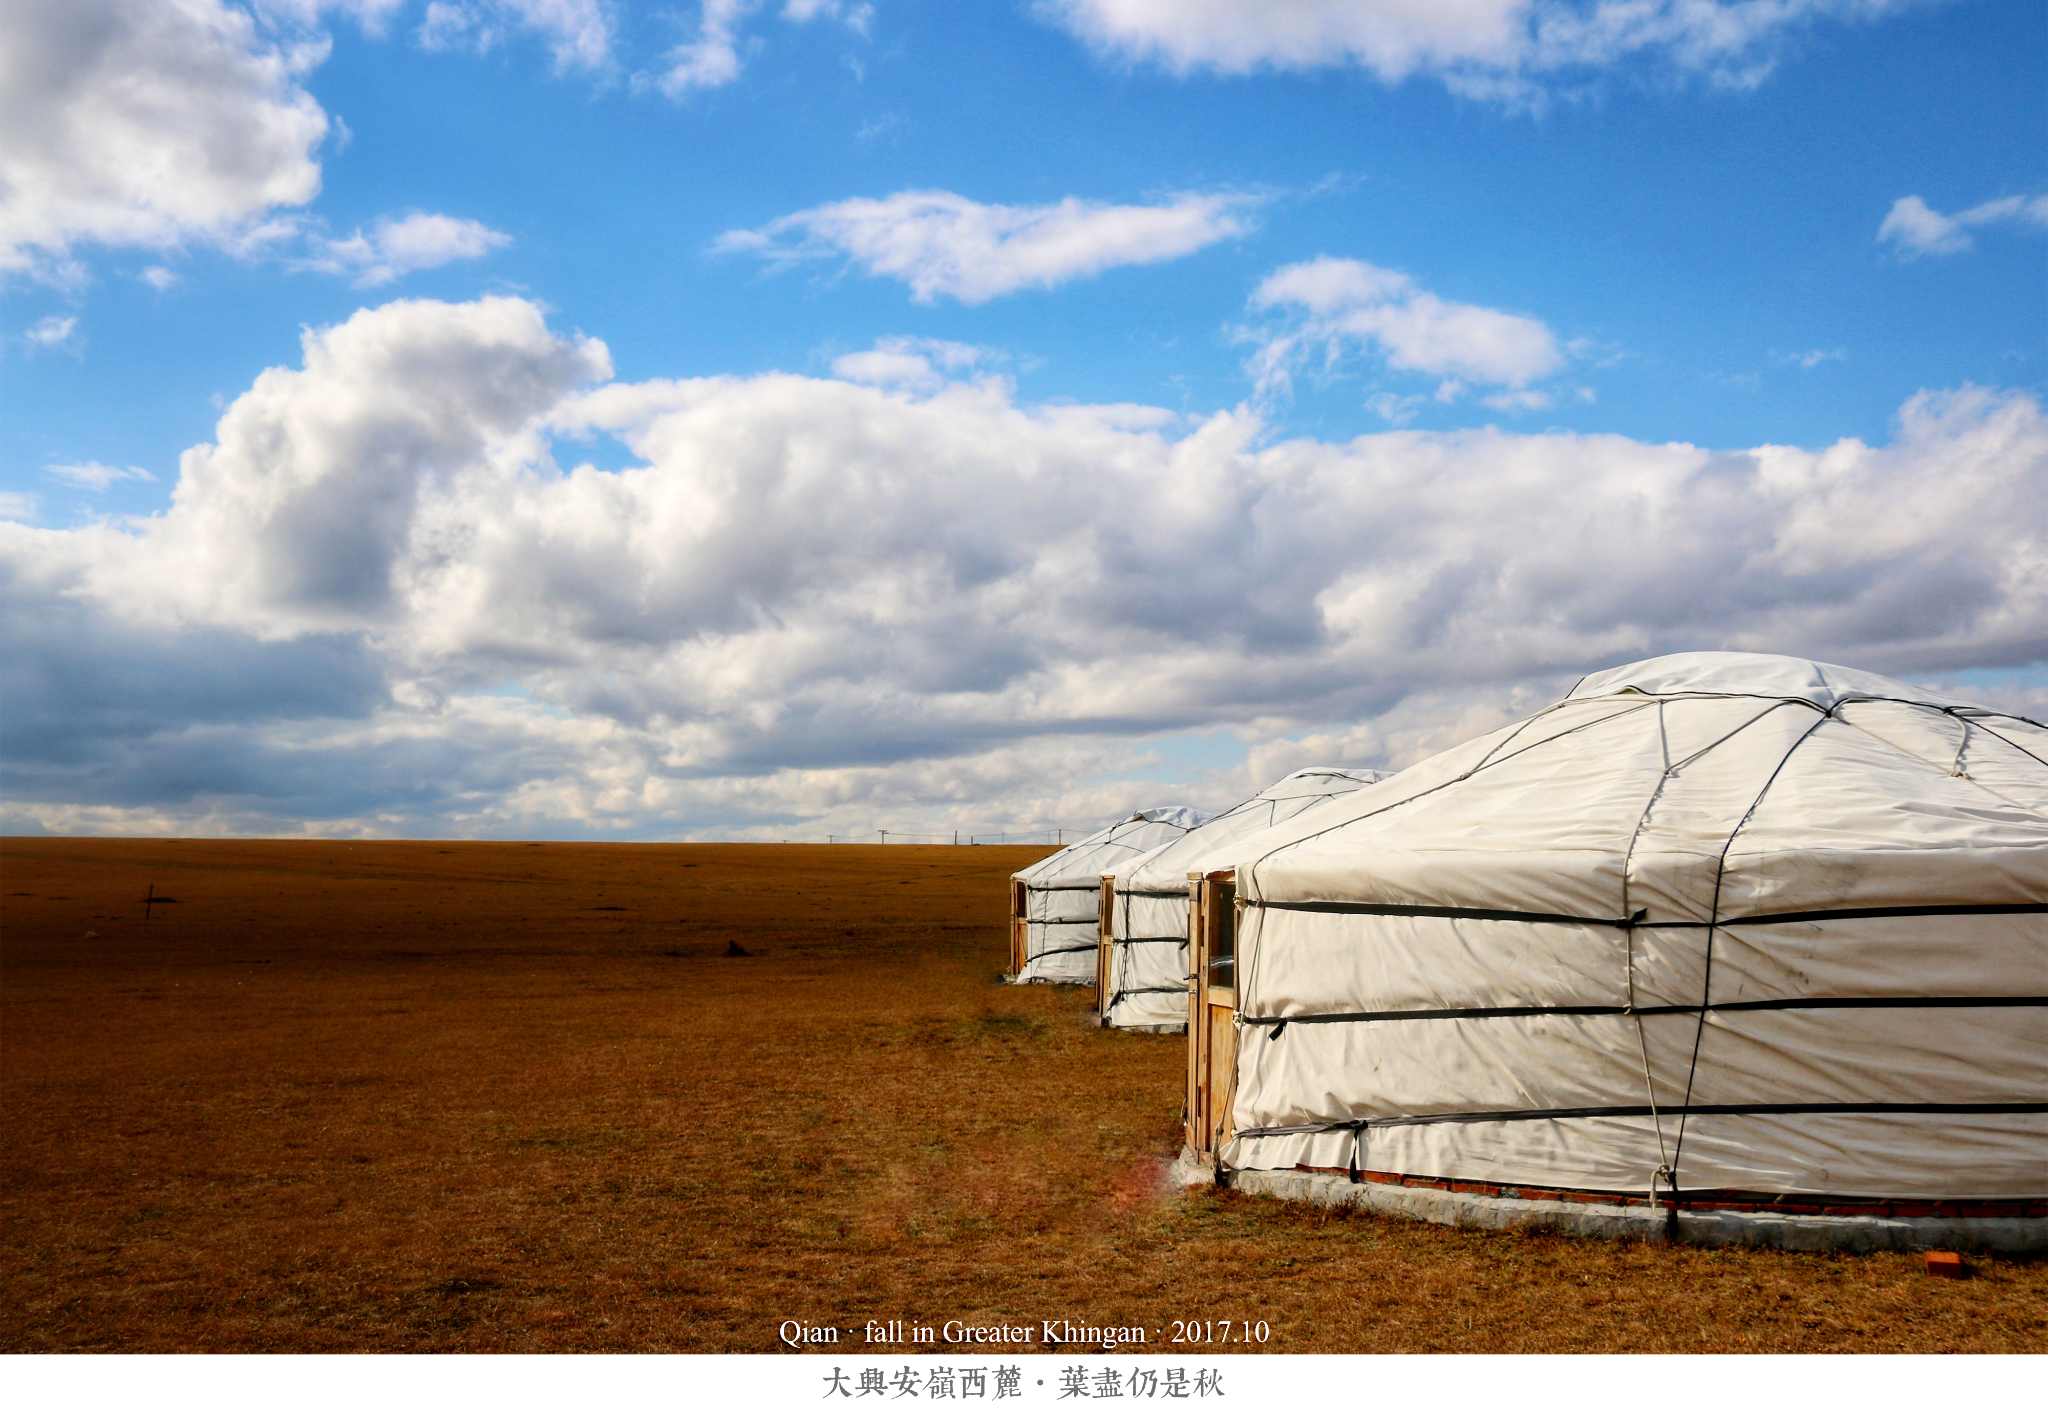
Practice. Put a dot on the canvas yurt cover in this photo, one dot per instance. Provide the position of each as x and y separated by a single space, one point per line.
1714 922
1142 976
1056 904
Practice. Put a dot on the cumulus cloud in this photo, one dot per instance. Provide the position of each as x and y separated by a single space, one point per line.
415 242
1916 230
388 598
942 244
1503 49
145 123
1329 306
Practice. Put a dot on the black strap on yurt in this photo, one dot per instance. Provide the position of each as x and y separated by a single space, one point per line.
1439 911
1905 911
1780 1004
1593 1113
1639 919
1058 952
1123 993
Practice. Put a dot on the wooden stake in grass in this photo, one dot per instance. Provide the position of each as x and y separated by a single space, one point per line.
148 902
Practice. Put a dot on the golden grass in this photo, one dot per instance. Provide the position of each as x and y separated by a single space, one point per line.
346 1096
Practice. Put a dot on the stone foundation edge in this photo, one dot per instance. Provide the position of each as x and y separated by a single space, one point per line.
1849 1234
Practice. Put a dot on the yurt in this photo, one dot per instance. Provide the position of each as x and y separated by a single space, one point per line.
1141 977
1056 904
1747 946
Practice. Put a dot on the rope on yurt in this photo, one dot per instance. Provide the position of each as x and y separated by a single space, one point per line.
1663 1170
1993 731
1667 1160
1714 914
1955 773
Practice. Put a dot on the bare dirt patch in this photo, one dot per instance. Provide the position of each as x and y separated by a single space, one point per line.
340 1096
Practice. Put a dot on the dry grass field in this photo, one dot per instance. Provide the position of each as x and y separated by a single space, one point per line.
489 1097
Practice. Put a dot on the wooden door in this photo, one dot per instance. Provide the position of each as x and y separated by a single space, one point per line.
1105 938
1212 1011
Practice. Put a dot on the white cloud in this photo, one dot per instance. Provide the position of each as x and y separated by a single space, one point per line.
854 17
910 363
578 32
17 506
1807 360
1395 409
942 244
1330 305
51 331
1916 230
712 57
415 242
1500 49
100 477
162 278
147 123
373 15
812 603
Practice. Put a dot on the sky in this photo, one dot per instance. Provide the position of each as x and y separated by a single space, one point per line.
789 418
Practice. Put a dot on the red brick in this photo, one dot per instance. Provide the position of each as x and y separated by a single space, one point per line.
1944 1265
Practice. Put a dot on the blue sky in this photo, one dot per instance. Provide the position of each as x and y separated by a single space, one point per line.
1097 398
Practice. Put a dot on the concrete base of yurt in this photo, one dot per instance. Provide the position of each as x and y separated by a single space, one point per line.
1694 1222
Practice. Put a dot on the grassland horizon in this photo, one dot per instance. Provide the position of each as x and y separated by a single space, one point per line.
365 1095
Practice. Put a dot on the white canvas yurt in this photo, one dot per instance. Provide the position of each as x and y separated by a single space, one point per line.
1056 904
1142 976
1717 929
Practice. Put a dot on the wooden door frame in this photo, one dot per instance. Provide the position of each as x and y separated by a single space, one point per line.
1105 942
1020 900
1210 896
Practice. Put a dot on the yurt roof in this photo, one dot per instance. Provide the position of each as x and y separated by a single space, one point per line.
1806 783
1085 861
1168 866
1823 684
